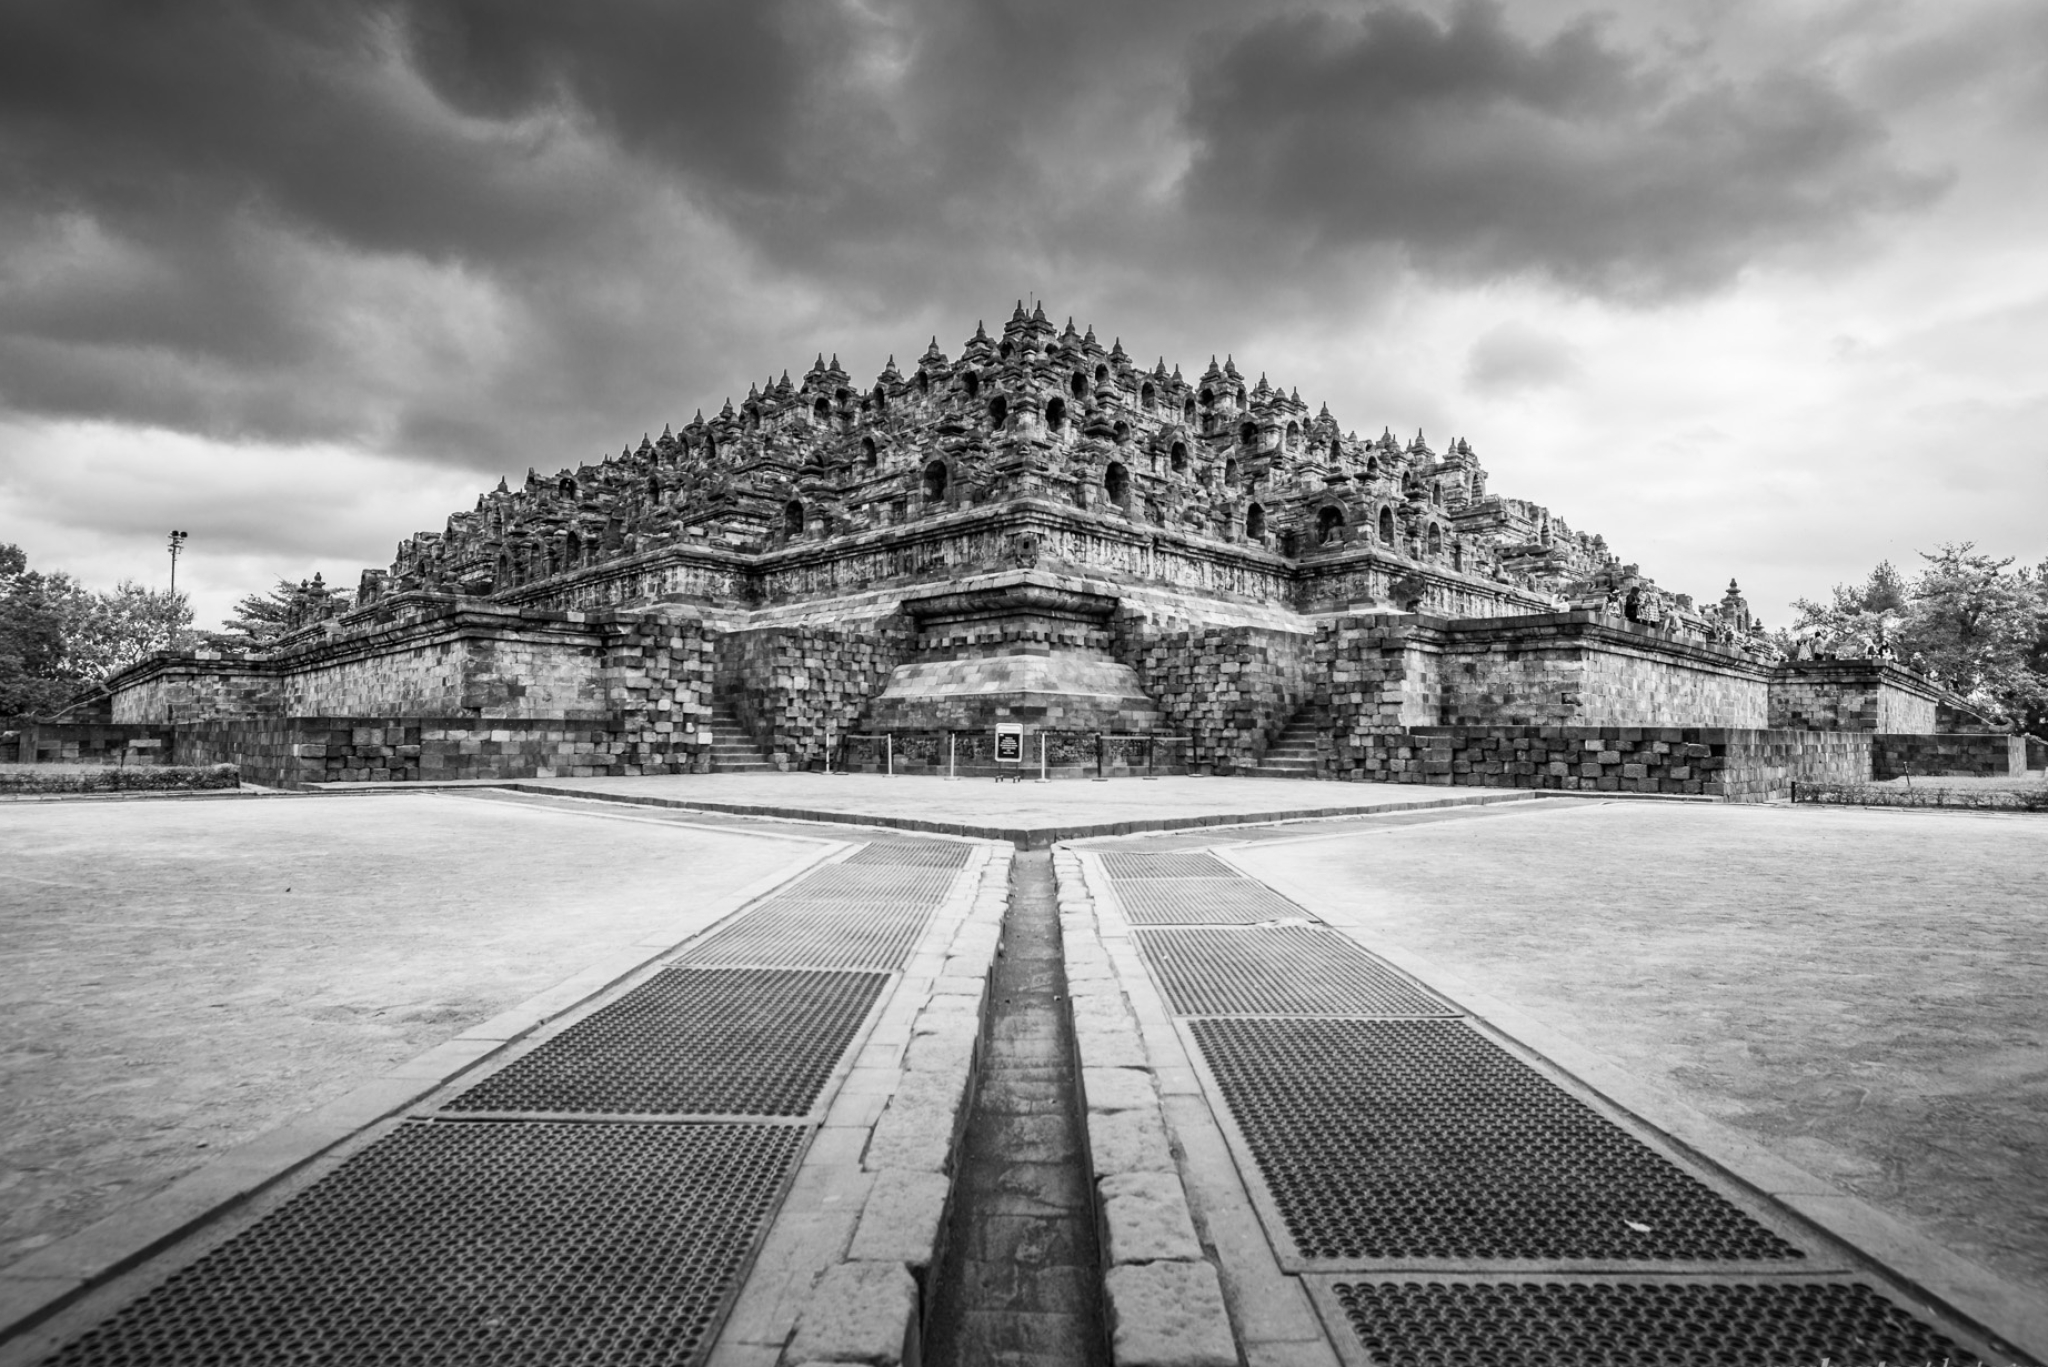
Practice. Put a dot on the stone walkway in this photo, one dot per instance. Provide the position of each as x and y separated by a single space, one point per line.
1022 1284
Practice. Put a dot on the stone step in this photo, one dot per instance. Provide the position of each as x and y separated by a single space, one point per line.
732 750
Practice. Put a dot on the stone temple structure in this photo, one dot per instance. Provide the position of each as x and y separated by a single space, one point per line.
1142 568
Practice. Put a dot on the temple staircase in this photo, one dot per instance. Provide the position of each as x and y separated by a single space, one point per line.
732 750
1293 754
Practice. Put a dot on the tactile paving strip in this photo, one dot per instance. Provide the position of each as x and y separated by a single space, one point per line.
468 1243
692 1041
1202 901
1278 971
793 932
867 882
931 854
1404 1140
1176 864
1623 1324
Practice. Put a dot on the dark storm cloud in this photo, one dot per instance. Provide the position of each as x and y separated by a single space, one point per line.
1483 152
507 233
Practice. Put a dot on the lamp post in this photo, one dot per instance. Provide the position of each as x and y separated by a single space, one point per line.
177 548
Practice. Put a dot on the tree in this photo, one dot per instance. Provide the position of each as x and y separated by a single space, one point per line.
57 637
260 618
1974 624
1973 621
1864 619
127 625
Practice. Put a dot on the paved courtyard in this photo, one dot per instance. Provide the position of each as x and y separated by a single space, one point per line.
1866 992
1860 993
178 976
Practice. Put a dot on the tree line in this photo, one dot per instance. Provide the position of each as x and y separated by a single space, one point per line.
59 638
1974 622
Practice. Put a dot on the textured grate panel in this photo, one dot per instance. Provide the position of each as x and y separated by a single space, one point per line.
796 932
1280 971
737 1041
1176 864
1423 1139
1202 901
931 854
478 1243
869 882
1622 1324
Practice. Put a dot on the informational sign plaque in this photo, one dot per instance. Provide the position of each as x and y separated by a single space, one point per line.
1009 742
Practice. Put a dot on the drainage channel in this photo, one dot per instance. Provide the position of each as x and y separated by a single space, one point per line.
596 1197
1446 1197
1021 1280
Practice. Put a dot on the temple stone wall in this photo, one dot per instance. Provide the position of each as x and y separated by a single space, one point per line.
1851 695
288 752
1734 764
1896 756
789 685
1582 669
105 743
173 689
498 674
1380 671
659 674
1372 675
1627 689
1230 690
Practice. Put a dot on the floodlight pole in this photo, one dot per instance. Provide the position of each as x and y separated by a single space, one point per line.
177 548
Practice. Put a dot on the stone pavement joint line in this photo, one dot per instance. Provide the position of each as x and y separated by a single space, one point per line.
1316 1134
634 1220
1019 1284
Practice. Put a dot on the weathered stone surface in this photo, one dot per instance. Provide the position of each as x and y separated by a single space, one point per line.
901 1220
1128 1141
1168 1315
1147 1216
1117 1089
915 1133
1116 1046
857 1312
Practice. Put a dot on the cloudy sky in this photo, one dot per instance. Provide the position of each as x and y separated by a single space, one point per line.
1755 287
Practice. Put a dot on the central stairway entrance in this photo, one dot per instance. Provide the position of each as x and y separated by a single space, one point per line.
732 750
1294 753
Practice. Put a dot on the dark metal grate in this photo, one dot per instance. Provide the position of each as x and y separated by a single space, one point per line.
1279 971
1176 864
793 932
1202 901
471 1243
1423 1139
737 1041
931 854
1624 1324
869 882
